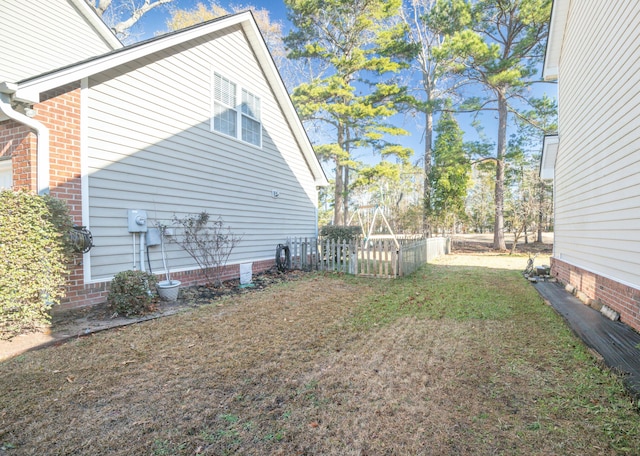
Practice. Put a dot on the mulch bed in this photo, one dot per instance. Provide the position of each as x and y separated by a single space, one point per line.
189 297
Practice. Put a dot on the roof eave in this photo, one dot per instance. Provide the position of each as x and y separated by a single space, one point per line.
97 23
275 80
549 154
557 24
29 90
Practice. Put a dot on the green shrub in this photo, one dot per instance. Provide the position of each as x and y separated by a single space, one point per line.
61 220
33 267
341 233
130 293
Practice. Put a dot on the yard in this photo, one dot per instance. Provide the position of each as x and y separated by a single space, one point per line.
462 358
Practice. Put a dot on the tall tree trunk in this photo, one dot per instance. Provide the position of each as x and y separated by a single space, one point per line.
339 204
338 190
498 226
428 140
345 175
540 203
345 195
337 195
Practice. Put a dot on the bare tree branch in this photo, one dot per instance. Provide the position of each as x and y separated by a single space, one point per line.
112 12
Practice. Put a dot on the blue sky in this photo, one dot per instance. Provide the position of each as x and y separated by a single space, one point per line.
154 23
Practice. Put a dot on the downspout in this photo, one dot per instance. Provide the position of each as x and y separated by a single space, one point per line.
41 131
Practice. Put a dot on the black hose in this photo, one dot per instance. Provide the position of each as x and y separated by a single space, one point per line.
149 260
283 264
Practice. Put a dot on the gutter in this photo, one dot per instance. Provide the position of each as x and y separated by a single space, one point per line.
42 133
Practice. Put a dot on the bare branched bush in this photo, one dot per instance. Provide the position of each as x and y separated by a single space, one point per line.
208 241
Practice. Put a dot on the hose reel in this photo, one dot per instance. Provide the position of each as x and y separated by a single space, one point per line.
80 238
283 257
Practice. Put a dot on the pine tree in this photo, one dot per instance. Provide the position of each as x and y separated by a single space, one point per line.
450 173
354 48
501 52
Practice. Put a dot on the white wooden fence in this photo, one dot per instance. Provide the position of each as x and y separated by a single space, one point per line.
382 258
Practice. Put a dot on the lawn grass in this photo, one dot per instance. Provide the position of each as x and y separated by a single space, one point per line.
459 293
455 359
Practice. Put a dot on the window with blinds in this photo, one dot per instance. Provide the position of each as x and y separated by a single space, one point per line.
228 113
251 127
224 102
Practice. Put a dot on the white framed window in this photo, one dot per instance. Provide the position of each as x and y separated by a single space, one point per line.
224 106
234 106
251 127
6 174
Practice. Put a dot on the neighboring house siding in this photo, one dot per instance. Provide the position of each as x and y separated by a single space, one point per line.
151 147
39 36
597 199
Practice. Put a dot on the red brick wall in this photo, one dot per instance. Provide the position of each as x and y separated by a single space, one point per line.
622 298
59 111
232 271
97 293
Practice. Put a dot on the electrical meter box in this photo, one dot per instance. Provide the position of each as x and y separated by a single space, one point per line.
153 237
137 221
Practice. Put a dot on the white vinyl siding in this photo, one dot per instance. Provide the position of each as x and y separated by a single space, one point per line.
597 202
227 115
41 36
151 148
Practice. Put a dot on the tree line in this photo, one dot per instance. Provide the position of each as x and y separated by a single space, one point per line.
359 71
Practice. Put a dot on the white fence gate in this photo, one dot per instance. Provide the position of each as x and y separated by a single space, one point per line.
381 258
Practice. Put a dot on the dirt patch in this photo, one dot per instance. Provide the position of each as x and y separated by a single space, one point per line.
483 243
193 367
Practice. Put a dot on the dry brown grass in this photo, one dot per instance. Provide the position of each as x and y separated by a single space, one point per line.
302 368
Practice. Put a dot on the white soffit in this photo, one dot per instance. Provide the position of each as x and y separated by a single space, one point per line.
557 25
549 154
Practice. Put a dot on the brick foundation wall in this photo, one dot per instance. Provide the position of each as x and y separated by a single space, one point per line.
230 272
96 293
622 298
